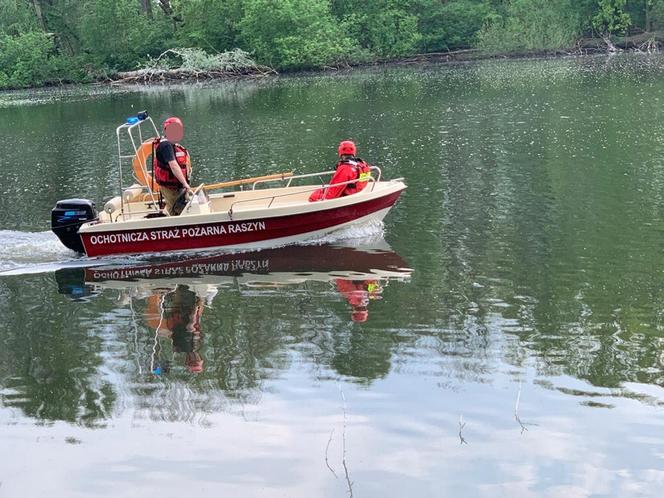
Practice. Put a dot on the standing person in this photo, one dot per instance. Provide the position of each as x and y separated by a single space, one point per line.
349 167
172 166
176 314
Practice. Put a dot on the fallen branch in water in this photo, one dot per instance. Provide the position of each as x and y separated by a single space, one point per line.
185 64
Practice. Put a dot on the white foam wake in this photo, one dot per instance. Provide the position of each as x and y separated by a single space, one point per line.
24 253
25 249
372 230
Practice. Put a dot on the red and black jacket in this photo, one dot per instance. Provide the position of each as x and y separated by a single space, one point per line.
163 174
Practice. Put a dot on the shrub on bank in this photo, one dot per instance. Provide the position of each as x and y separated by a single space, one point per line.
294 34
30 59
450 26
531 25
383 33
115 37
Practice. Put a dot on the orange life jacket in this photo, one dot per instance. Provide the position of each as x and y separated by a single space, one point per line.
163 174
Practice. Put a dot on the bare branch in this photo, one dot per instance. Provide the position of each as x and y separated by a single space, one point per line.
326 451
462 424
516 412
343 446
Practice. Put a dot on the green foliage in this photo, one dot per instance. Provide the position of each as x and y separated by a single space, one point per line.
210 24
118 37
46 41
383 28
16 17
26 59
293 34
656 15
611 17
531 25
452 25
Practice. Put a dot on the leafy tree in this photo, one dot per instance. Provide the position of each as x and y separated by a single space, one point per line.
70 38
532 25
294 33
210 24
655 19
117 37
25 59
451 25
611 17
383 28
16 17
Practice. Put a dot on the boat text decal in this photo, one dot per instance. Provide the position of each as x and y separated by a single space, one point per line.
243 265
177 233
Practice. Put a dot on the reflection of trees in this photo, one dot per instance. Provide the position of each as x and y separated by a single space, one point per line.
533 219
80 360
363 355
48 363
548 232
249 336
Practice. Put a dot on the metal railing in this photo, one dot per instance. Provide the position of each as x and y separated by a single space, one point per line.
290 179
325 187
129 128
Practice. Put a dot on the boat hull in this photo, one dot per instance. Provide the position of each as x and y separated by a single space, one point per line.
243 233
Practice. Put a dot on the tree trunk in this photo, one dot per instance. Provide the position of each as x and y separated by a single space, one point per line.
40 15
146 7
166 7
648 19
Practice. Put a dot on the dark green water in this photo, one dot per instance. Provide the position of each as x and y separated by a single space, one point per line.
522 356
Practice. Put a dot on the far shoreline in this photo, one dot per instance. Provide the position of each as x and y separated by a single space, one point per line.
590 48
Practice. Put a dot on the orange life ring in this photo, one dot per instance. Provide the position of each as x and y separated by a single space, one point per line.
153 312
140 165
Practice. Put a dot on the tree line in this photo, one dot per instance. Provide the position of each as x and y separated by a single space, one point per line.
52 41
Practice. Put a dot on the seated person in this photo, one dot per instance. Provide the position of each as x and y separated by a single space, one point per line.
349 168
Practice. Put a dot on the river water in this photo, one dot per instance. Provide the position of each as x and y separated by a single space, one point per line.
500 335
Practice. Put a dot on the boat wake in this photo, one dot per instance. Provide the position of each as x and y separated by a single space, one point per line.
23 253
361 233
26 249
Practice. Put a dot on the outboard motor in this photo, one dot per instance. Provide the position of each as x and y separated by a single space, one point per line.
67 217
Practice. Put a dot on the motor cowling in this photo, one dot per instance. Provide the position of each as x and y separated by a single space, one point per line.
67 217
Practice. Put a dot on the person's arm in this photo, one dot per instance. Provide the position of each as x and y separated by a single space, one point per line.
343 174
166 154
177 171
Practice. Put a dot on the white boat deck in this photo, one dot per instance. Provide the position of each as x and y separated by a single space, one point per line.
226 206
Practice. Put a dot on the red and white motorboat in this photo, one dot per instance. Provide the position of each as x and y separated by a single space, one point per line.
261 215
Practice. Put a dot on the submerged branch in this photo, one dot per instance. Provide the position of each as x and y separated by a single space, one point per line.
343 446
516 412
462 424
327 448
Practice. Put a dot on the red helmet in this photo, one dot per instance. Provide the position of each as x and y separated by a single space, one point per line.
171 121
359 316
347 148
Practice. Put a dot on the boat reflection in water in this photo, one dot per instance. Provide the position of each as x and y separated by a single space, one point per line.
176 293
